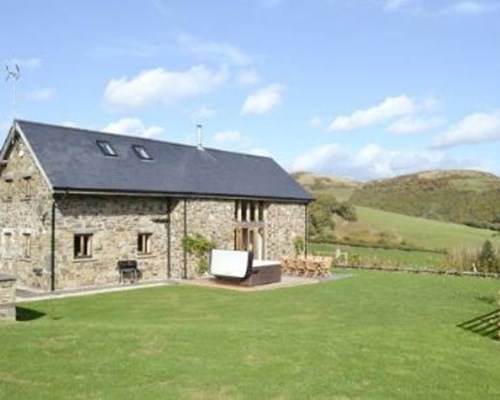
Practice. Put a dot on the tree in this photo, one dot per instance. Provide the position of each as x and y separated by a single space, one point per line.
487 260
321 221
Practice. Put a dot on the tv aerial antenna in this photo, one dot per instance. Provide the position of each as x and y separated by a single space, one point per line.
13 74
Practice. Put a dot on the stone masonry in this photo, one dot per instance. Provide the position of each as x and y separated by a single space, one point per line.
114 223
7 298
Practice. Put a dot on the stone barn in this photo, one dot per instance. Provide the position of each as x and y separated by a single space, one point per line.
74 203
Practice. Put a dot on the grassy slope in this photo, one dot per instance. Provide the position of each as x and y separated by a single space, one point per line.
375 335
457 196
424 233
341 188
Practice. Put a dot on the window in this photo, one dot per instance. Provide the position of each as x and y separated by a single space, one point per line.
27 187
141 152
144 243
249 211
26 245
106 148
7 244
249 233
8 189
82 246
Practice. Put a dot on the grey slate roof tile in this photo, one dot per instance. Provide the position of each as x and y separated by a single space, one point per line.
72 160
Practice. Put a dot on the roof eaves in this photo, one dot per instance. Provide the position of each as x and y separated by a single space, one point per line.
107 192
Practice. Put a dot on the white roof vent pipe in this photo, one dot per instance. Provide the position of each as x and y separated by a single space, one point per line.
199 130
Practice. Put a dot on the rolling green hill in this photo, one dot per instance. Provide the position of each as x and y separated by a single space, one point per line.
382 227
341 188
455 196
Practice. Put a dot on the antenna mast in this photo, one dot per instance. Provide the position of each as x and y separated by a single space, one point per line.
15 74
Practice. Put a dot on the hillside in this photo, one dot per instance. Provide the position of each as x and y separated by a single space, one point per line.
341 188
455 196
382 227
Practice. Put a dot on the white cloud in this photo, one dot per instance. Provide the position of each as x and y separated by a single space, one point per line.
248 77
408 125
373 161
219 50
263 100
471 8
29 63
134 127
474 128
259 151
319 159
162 86
227 137
390 108
44 94
203 112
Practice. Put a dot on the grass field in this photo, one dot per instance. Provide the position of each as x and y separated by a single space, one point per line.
388 257
373 335
420 232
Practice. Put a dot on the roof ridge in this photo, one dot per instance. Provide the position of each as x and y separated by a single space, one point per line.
93 131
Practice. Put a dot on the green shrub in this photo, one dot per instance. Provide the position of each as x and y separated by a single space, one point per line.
200 247
299 245
487 260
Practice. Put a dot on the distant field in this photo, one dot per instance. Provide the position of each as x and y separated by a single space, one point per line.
388 257
419 232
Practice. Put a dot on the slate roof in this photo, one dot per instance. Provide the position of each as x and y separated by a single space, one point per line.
72 161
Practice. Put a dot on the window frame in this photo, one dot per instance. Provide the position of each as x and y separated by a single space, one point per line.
8 189
144 243
27 245
7 244
142 152
106 148
27 187
84 241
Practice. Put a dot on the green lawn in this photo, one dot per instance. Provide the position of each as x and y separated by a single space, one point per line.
375 335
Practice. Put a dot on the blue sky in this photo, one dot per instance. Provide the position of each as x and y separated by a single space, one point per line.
359 88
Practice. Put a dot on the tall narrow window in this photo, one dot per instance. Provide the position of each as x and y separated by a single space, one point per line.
144 243
82 246
8 189
106 148
249 234
141 152
7 244
26 245
27 187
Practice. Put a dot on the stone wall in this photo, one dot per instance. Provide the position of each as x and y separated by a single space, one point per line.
25 221
114 223
7 298
284 222
214 219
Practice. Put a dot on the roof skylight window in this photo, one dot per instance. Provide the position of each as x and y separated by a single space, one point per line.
106 148
142 152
